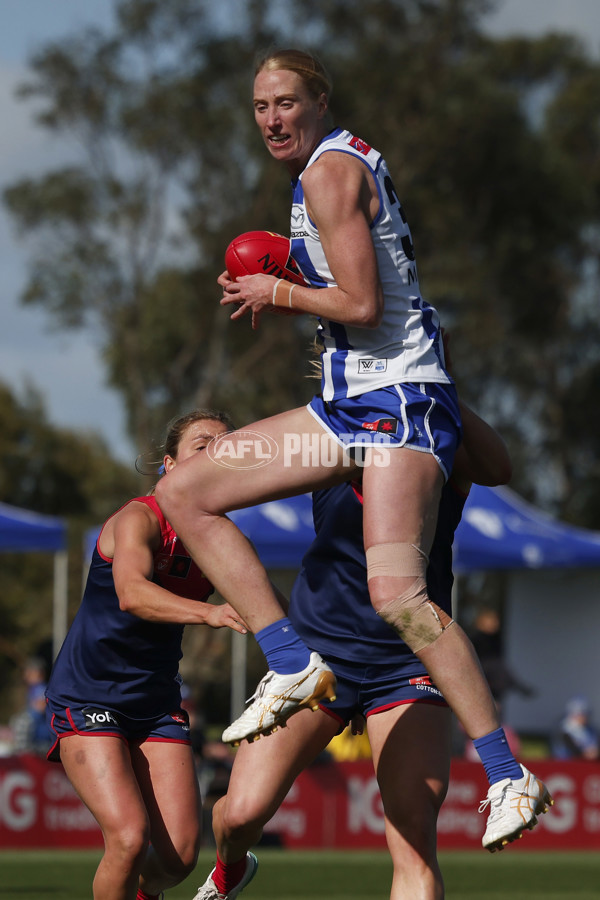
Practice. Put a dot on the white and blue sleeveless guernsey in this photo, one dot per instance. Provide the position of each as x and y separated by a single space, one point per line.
406 347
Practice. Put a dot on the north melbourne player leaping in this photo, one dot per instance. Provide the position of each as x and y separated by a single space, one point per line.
382 359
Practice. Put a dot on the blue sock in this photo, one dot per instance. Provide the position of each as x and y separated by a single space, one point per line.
285 651
496 756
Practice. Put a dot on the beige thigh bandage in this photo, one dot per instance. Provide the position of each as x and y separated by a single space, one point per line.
418 620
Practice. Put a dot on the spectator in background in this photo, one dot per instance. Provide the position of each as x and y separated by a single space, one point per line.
577 737
31 733
487 640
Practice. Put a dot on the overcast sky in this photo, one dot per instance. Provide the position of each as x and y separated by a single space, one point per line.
66 367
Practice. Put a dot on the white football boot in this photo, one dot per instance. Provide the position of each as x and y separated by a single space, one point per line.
278 697
209 891
514 806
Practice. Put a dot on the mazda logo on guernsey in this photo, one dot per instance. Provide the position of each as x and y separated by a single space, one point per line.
243 450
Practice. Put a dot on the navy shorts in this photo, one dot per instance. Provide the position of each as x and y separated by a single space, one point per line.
373 689
98 720
423 417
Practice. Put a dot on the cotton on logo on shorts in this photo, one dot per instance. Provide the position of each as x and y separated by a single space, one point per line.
243 450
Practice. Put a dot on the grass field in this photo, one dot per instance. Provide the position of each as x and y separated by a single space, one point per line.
60 875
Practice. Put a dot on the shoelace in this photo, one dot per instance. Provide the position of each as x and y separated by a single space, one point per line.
261 688
211 894
488 800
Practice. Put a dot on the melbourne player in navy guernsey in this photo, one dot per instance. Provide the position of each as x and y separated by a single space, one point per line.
114 699
331 610
116 661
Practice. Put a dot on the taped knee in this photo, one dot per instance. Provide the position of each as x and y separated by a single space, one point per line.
418 620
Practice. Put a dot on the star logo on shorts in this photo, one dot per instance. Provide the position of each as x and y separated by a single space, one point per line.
387 425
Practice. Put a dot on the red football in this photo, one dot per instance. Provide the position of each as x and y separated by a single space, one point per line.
262 252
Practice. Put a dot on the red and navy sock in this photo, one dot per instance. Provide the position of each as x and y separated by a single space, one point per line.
228 875
142 896
496 756
284 650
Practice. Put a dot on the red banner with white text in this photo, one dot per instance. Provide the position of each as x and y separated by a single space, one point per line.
331 805
39 808
338 806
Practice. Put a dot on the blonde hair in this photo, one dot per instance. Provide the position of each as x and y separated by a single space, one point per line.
312 72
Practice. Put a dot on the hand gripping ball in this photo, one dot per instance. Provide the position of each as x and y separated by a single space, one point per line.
262 253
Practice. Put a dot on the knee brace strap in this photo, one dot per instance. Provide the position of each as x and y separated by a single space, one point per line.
396 559
418 620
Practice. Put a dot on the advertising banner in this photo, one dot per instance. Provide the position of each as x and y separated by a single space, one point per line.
331 805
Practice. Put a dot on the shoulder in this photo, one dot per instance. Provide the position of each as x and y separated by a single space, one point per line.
138 506
335 186
333 160
137 518
145 512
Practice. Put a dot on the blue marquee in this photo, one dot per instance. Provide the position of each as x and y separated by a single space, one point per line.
21 530
499 530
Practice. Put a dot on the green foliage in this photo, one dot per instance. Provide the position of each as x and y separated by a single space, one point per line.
58 472
52 470
493 146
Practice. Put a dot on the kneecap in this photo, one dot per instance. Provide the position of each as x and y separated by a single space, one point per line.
417 620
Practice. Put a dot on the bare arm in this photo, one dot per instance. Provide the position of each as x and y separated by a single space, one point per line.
342 201
130 538
482 457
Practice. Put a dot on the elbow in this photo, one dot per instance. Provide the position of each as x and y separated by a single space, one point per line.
505 473
370 322
369 316
125 603
127 596
500 474
503 467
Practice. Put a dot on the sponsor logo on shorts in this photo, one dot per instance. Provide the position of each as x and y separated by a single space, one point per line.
423 683
367 366
181 719
98 718
387 425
